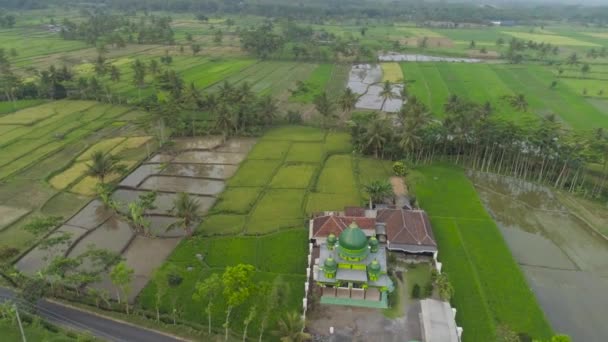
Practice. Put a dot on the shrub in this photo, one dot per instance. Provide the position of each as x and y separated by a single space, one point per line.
399 169
8 252
428 289
294 117
416 291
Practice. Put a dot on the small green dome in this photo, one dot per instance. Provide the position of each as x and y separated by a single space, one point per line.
373 241
353 238
330 264
375 267
331 239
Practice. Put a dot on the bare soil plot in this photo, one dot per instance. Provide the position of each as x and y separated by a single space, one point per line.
8 215
39 258
144 255
114 235
91 216
183 184
198 157
200 171
163 203
205 143
135 178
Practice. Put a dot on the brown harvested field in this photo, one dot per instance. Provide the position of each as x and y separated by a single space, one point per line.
430 42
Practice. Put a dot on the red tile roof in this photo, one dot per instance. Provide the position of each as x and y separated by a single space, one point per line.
325 225
408 227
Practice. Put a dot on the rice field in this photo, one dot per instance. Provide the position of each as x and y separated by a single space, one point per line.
433 83
391 72
550 38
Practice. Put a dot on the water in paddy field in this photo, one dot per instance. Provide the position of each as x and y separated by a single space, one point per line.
183 184
200 171
399 57
204 157
366 81
564 260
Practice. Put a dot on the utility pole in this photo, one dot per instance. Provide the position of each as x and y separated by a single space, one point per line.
19 321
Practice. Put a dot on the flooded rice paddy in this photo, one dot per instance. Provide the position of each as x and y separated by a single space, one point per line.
366 81
399 57
564 259
197 166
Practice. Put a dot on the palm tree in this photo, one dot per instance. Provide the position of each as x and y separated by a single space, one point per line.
187 209
387 92
224 121
519 102
324 106
291 328
103 165
267 109
378 190
375 136
114 73
348 100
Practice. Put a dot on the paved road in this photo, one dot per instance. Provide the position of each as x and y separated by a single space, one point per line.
101 327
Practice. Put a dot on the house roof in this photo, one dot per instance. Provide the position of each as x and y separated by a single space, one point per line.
407 227
324 225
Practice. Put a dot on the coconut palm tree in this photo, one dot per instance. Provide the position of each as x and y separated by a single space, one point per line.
348 100
387 92
224 121
267 110
102 165
290 329
519 102
378 190
187 210
324 106
376 136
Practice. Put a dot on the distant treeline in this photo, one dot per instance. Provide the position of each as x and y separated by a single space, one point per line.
404 10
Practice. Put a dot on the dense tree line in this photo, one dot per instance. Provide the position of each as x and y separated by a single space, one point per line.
322 9
7 20
540 150
101 27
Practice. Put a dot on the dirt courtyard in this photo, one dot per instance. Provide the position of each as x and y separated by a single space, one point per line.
363 324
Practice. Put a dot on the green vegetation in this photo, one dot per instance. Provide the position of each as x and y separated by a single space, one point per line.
489 286
307 90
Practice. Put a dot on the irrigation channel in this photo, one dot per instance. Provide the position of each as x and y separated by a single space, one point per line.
197 166
565 261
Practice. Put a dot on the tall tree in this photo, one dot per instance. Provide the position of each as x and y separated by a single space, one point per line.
122 276
238 288
348 100
207 291
324 106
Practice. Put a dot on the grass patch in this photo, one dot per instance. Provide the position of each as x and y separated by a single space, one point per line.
237 200
269 150
337 176
370 170
315 84
318 202
305 152
278 208
293 176
296 133
254 173
104 146
222 224
338 142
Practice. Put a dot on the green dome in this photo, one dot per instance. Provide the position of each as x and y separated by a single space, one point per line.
373 241
330 264
353 238
331 239
374 266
